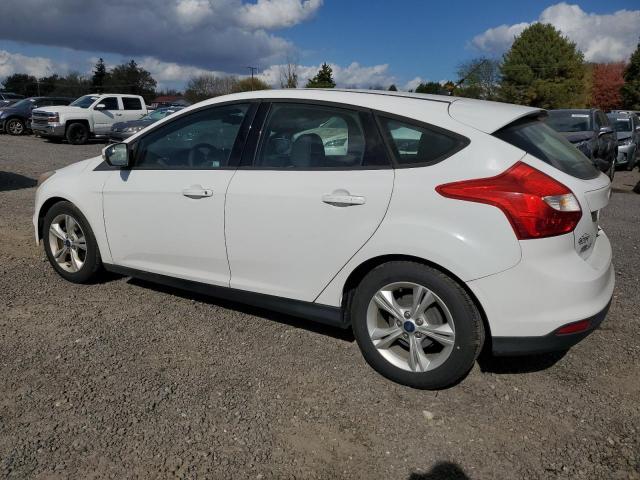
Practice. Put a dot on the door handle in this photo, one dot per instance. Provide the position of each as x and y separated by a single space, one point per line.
343 199
196 191
118 114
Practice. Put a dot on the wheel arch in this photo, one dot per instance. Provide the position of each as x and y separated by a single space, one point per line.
358 273
83 121
44 208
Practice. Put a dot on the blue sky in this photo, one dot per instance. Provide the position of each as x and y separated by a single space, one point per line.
369 42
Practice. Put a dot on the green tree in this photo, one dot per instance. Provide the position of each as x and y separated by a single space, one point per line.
131 78
393 88
22 84
630 91
323 79
478 78
430 87
99 75
543 69
249 84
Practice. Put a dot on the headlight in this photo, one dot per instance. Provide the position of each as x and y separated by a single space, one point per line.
625 142
45 176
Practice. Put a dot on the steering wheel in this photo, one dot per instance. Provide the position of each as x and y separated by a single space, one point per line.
200 153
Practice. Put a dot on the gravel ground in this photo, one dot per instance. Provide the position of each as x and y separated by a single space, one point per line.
126 379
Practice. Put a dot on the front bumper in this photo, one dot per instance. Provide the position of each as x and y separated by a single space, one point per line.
120 136
50 130
623 154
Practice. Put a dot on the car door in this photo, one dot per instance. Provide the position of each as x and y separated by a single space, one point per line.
315 191
166 213
131 109
106 112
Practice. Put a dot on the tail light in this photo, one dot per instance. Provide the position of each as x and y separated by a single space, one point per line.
535 204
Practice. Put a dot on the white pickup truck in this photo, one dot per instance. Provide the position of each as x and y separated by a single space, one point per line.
90 116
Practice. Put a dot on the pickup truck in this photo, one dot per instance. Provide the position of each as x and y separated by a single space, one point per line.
90 116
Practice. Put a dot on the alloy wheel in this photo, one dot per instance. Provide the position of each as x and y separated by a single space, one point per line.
15 127
410 326
68 243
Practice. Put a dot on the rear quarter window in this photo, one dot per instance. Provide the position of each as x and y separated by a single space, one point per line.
543 142
416 145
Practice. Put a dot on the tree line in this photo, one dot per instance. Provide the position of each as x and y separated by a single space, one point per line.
542 69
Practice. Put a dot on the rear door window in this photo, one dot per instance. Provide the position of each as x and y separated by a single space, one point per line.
130 103
538 139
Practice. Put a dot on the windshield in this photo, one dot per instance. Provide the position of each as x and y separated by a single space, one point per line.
538 139
27 102
620 124
84 102
569 121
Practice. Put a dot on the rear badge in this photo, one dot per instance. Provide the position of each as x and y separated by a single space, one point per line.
585 242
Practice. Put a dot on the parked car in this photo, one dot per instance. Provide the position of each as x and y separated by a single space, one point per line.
627 128
483 232
6 98
90 116
16 119
123 130
591 133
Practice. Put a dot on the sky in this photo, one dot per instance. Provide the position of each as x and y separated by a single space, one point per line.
368 43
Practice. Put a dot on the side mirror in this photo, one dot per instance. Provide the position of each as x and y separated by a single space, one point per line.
117 155
638 128
604 131
100 106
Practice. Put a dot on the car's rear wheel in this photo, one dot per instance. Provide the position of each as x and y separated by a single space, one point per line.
15 126
70 244
416 325
77 134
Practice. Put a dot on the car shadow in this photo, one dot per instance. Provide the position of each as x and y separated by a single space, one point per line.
523 364
442 471
15 181
296 322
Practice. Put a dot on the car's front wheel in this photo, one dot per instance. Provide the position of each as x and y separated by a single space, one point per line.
15 126
416 325
77 134
70 244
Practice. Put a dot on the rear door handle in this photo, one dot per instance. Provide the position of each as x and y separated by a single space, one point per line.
196 191
343 199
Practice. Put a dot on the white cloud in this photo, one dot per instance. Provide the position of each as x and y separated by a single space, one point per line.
602 38
413 83
11 63
272 14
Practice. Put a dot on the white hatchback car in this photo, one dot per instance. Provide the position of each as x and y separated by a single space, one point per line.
437 226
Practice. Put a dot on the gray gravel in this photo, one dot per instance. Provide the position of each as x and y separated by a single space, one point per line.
125 379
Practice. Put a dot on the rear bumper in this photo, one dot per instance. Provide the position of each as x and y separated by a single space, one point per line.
553 342
551 287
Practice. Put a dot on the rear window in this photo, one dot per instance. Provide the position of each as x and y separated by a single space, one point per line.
563 121
543 142
130 103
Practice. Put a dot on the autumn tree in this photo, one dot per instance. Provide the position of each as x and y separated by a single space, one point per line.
606 84
630 91
543 69
323 79
209 85
289 73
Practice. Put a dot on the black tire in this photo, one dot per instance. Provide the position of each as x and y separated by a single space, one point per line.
14 126
92 262
469 329
77 134
631 160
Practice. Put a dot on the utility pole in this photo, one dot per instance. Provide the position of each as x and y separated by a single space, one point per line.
253 70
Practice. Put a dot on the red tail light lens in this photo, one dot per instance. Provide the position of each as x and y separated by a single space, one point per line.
536 205
575 327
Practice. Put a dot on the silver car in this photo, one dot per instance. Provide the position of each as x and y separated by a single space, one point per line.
627 128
